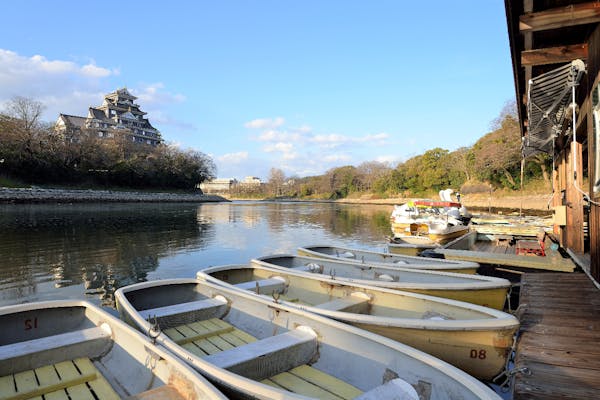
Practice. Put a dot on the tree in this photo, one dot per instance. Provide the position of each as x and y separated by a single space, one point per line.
276 179
497 155
370 172
27 111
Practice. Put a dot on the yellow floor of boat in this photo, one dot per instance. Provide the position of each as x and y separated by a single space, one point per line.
68 380
214 335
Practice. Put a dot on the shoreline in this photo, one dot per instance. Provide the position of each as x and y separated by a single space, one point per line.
37 195
531 203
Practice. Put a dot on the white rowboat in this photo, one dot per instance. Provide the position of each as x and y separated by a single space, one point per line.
387 259
477 289
254 348
61 350
450 330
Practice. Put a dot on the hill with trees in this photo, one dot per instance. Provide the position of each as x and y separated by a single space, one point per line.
32 152
494 161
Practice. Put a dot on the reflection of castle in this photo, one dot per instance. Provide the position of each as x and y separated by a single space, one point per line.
249 213
227 185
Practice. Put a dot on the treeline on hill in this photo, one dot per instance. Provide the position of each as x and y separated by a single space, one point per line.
32 151
494 160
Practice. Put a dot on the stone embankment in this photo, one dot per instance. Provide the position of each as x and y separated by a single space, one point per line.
36 195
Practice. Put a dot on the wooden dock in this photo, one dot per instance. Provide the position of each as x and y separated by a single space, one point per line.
560 333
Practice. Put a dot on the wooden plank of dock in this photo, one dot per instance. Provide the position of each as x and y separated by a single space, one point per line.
560 332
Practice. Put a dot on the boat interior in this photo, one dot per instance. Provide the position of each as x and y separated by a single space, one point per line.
66 353
335 268
199 324
335 297
268 344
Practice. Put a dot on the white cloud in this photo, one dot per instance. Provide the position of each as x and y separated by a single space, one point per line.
273 135
154 94
94 71
279 146
332 158
378 137
69 87
299 151
233 158
265 123
390 160
290 156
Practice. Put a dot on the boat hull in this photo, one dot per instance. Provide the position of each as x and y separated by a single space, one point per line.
404 232
482 354
409 249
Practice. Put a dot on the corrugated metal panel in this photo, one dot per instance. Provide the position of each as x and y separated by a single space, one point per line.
548 98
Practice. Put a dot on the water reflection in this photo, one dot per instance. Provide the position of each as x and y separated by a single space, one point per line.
100 247
88 250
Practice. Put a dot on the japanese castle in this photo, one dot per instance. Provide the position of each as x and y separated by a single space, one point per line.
118 115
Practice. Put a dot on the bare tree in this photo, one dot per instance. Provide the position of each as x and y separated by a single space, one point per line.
276 179
371 171
27 111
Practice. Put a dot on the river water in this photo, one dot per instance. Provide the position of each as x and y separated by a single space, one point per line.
87 251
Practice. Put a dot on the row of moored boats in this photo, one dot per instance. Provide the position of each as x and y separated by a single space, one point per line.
330 322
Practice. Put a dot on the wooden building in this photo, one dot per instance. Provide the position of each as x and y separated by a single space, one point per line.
555 48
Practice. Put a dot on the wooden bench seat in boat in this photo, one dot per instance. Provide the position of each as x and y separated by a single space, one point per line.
200 309
218 335
270 356
73 379
264 286
355 303
33 353
311 382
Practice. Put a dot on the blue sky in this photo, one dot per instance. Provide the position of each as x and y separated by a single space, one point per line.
303 86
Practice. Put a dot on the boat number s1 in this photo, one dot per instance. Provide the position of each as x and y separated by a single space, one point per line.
31 323
480 354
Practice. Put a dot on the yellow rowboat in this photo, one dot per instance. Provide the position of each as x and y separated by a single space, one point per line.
73 350
413 247
482 290
411 232
473 338
387 259
255 348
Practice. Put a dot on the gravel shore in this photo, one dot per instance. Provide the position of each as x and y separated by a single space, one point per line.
36 195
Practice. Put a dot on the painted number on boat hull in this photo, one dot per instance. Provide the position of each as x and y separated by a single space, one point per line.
31 324
480 354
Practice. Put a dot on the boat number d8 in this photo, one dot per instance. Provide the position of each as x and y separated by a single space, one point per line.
478 354
31 324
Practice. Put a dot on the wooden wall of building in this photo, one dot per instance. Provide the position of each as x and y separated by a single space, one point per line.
593 68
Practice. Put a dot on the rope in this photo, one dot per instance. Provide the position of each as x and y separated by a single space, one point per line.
507 373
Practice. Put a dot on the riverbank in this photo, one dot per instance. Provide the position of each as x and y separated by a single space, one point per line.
536 203
477 201
38 195
532 203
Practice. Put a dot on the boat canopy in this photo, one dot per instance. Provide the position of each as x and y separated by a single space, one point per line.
549 97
